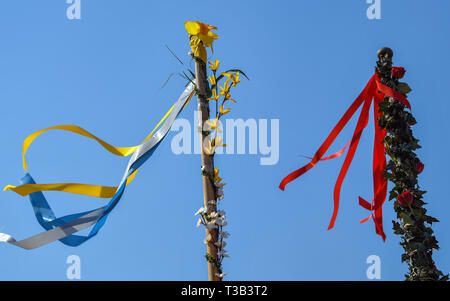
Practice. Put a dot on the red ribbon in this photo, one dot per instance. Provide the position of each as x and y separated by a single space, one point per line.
374 90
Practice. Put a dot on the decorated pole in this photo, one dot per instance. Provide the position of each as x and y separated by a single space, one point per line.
200 37
214 220
393 136
207 168
402 170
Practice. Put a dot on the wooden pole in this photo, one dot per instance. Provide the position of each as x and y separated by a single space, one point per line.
207 168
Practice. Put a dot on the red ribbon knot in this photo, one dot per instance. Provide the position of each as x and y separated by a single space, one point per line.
374 90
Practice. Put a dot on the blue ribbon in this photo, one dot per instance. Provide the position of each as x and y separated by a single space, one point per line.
47 218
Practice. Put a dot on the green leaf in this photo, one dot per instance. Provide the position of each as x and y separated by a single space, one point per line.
184 75
404 88
192 73
397 228
174 55
165 83
406 219
417 213
430 219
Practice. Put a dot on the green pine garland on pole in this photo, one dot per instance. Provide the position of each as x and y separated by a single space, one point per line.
403 168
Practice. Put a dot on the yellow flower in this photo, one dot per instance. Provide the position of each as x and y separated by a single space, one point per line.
236 79
213 125
197 48
203 31
214 95
212 144
224 90
218 142
209 148
212 80
233 76
227 82
201 37
217 179
223 111
214 65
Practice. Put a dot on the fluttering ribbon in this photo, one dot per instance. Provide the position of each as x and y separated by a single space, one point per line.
63 228
374 90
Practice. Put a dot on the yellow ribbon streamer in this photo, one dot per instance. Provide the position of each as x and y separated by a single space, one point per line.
83 189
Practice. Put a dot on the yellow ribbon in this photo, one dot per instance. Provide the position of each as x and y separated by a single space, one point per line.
83 189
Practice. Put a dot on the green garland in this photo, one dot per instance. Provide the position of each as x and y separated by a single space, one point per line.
402 170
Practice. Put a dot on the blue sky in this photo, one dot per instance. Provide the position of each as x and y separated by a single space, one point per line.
307 61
